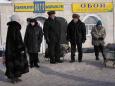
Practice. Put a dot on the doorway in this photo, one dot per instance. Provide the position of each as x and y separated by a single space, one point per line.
90 21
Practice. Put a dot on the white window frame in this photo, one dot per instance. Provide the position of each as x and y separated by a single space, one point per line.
88 29
6 1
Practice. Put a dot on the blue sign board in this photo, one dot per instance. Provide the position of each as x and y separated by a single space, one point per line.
39 7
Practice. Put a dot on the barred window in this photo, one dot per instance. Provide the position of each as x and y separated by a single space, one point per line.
90 22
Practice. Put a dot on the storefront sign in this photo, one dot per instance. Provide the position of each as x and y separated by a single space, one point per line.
38 7
24 7
54 6
92 7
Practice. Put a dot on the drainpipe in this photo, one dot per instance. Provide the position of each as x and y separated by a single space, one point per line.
113 22
0 31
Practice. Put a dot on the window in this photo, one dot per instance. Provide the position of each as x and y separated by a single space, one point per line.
90 22
5 1
89 28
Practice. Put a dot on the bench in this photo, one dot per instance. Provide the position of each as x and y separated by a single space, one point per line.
110 56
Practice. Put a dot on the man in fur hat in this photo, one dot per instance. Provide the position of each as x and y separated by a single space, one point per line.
76 35
52 35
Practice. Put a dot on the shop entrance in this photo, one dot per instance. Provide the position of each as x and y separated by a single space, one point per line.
90 21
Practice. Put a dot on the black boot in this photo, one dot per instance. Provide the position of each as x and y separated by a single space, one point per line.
104 59
97 58
72 58
36 65
18 80
79 60
80 57
52 61
72 61
104 56
31 64
12 80
58 60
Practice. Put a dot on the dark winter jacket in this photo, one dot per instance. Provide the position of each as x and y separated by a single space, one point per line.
33 38
16 64
52 30
76 32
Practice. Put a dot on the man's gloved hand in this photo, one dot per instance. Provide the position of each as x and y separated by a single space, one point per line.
101 38
83 40
4 60
22 52
47 41
68 40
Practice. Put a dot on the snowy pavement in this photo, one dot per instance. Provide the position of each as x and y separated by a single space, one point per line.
87 73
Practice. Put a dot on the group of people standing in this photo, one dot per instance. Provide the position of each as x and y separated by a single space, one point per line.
15 53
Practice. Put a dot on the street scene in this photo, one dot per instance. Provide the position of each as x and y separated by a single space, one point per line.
57 42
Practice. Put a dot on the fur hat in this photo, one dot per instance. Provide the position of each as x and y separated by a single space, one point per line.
15 18
33 20
76 16
99 23
51 12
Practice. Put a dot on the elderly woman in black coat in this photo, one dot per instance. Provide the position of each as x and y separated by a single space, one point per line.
15 59
33 39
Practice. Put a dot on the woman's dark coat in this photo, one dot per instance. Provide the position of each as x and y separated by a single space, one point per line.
33 38
16 62
76 32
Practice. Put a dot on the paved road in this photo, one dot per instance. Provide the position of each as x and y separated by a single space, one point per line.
87 73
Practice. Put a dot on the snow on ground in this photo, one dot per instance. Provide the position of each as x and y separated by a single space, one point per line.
87 73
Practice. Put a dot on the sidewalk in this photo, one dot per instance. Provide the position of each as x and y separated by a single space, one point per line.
87 73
